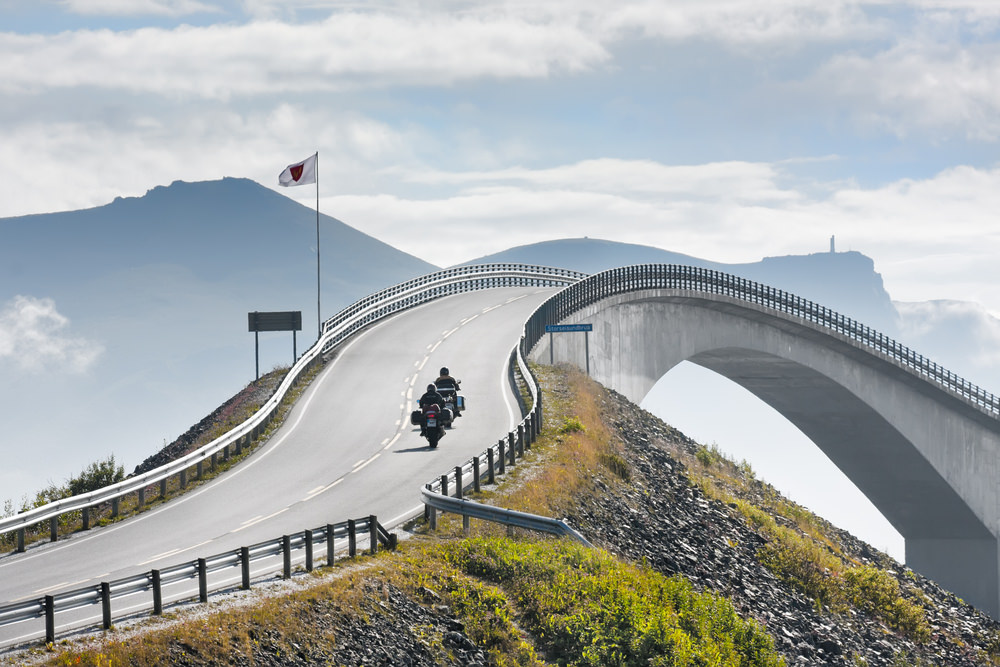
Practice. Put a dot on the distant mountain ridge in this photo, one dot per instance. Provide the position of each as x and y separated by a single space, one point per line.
157 289
844 281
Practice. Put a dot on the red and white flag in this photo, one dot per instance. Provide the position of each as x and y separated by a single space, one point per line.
300 173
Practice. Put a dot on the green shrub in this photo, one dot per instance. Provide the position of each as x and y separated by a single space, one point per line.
96 476
572 425
877 592
585 608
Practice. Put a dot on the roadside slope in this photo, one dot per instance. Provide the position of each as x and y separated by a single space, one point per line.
674 515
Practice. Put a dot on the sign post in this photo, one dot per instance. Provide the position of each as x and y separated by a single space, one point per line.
562 328
288 320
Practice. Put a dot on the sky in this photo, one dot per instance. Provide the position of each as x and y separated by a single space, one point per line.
722 129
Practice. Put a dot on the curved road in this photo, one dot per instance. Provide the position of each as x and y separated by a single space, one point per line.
345 450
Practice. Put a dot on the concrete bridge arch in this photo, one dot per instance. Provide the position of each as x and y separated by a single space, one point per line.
925 453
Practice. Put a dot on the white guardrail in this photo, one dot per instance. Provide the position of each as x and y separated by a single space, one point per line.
335 330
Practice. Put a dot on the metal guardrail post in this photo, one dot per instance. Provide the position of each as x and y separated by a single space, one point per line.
106 605
520 440
245 567
20 540
141 498
286 553
458 482
372 534
50 619
501 456
475 474
115 507
202 580
85 517
444 485
511 450
490 467
54 528
330 553
163 488
352 538
307 535
157 593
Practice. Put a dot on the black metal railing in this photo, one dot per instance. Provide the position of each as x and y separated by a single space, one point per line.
692 280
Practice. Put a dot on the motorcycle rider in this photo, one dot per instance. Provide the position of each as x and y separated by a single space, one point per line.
446 381
431 397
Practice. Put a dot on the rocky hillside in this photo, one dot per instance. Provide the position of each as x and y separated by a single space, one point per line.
668 508
681 513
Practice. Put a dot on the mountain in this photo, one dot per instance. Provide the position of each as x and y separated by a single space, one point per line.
119 324
844 281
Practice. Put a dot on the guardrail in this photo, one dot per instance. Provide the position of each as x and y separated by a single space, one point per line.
691 280
335 330
151 584
494 461
694 280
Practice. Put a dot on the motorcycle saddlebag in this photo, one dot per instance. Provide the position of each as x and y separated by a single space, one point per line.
416 417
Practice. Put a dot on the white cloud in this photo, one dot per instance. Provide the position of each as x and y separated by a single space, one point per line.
346 51
137 7
944 88
927 235
96 161
31 338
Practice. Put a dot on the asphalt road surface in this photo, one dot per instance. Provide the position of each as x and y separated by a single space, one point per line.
346 450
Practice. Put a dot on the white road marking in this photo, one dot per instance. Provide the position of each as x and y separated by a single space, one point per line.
43 591
364 463
257 520
321 489
392 442
174 552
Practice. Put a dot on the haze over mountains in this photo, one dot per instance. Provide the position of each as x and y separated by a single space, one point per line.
122 325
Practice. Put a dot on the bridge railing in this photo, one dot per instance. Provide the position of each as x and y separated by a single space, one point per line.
437 494
335 330
708 281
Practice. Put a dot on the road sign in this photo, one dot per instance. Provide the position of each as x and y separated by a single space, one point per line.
557 328
288 320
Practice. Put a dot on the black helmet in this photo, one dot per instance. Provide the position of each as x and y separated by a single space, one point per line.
444 370
431 387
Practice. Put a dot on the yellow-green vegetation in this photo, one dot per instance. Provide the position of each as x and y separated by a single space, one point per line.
800 552
586 608
523 602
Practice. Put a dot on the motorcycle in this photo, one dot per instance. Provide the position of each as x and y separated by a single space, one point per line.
452 400
432 420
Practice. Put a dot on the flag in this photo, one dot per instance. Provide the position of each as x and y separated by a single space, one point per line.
299 173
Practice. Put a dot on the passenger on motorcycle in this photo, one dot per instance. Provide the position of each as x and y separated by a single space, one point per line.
446 382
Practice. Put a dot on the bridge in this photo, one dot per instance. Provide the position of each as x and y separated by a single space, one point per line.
920 442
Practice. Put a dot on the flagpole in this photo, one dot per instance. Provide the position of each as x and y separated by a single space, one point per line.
319 321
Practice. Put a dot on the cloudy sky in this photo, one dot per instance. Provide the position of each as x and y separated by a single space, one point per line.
723 129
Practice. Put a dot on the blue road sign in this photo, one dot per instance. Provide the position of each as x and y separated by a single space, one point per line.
556 328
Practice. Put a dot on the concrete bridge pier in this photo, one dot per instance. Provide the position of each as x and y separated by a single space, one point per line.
928 459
